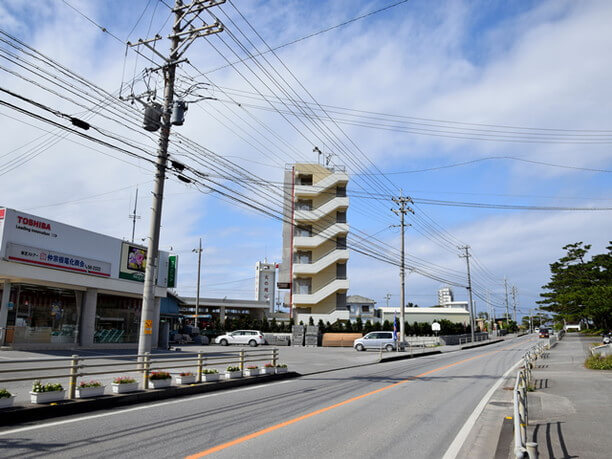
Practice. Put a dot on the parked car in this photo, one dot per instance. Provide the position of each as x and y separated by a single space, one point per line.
251 337
376 340
544 333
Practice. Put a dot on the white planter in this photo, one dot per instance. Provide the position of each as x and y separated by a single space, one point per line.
47 397
266 371
159 383
86 392
124 388
210 377
7 402
185 379
280 370
233 374
253 372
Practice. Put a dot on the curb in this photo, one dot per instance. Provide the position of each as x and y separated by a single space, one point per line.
30 413
409 356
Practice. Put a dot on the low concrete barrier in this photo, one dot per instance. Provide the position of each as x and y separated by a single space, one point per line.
340 339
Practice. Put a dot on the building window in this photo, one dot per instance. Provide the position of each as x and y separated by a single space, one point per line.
341 216
303 257
341 191
40 314
117 319
303 204
303 286
341 242
303 231
341 271
303 180
341 301
365 308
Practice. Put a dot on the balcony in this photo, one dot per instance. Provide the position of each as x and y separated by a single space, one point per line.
322 185
316 214
330 258
331 288
310 242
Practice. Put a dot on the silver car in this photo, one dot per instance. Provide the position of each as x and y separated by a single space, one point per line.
376 340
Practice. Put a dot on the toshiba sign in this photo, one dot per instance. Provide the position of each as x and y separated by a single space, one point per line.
33 223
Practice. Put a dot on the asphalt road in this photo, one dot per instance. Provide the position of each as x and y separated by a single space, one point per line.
410 408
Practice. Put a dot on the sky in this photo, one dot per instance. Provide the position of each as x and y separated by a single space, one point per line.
488 102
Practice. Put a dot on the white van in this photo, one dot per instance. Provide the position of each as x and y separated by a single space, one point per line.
376 340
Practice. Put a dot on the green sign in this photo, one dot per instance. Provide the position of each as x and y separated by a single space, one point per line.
172 261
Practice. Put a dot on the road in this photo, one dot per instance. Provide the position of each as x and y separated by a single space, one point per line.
410 408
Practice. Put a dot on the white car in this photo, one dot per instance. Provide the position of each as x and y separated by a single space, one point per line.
251 337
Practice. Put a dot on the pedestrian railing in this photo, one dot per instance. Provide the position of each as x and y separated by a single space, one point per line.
523 384
76 366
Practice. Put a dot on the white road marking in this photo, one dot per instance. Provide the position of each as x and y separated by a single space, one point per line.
138 408
459 440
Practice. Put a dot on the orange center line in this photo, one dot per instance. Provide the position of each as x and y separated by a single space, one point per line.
259 433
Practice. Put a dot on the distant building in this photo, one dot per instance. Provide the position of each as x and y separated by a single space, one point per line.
445 295
361 307
315 254
455 315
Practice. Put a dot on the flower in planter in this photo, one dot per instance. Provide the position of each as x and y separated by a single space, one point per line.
5 393
123 380
84 384
185 373
38 387
231 368
252 367
269 365
158 375
210 371
281 365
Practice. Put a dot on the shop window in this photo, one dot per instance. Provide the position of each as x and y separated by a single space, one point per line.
40 314
117 319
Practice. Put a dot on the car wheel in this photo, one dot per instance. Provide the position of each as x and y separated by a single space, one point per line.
359 347
223 342
253 343
389 347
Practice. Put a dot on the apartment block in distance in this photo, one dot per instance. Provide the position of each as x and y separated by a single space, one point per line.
315 253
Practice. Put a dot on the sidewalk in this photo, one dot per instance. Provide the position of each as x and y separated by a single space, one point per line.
569 412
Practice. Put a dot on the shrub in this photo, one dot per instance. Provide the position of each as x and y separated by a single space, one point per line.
186 373
38 387
210 371
5 393
157 375
599 362
231 368
123 380
84 384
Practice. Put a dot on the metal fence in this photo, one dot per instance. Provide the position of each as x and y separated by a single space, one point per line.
523 384
76 367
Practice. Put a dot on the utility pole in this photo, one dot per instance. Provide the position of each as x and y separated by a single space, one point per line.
134 217
491 318
507 311
514 302
183 35
197 309
388 297
402 202
469 287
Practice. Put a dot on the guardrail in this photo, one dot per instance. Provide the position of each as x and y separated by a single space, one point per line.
523 384
76 367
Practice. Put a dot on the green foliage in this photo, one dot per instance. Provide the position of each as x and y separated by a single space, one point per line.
367 328
5 393
281 365
232 368
580 289
210 371
358 324
321 326
39 387
598 362
348 326
310 321
386 326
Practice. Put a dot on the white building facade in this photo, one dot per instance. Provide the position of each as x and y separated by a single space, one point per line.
64 287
